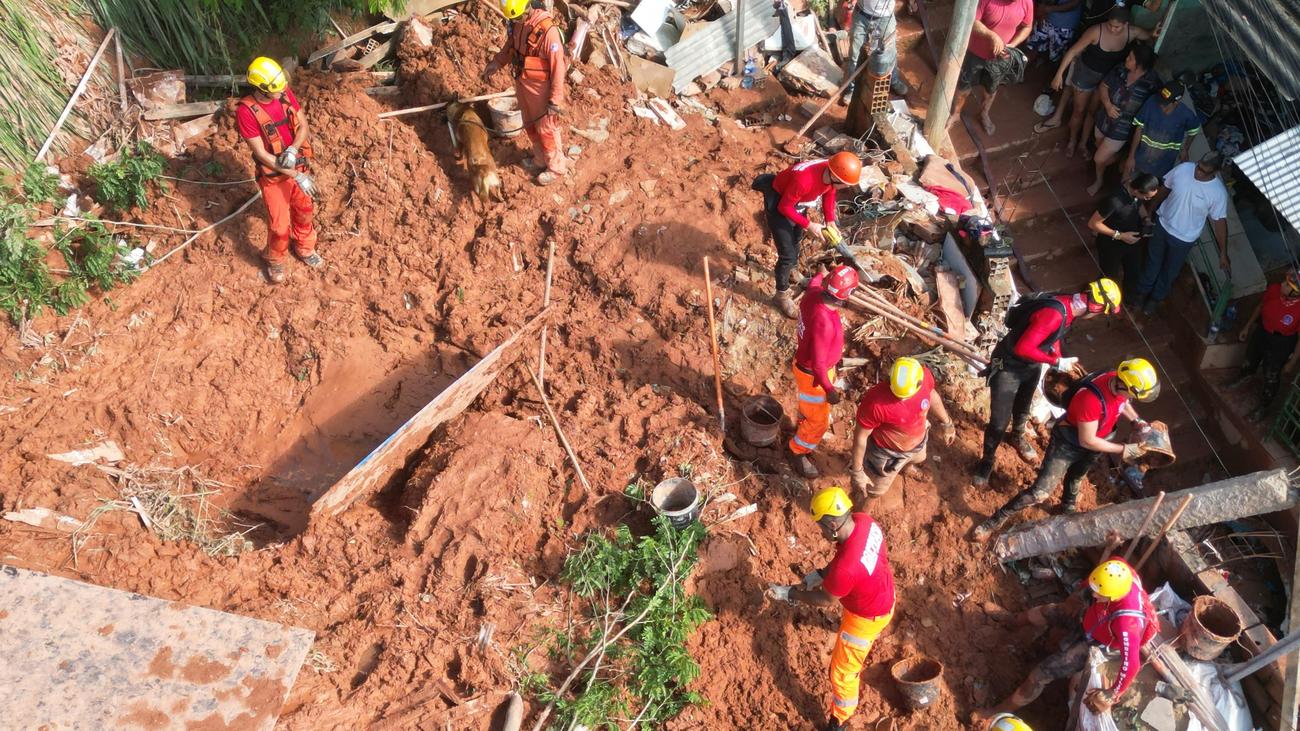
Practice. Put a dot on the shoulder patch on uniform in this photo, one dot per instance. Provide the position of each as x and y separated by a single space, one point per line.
555 48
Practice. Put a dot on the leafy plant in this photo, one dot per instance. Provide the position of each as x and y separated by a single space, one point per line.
25 283
124 182
94 257
636 663
40 185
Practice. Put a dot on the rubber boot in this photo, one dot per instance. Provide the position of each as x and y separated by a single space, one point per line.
1070 500
785 304
1025 447
986 529
898 85
802 465
983 471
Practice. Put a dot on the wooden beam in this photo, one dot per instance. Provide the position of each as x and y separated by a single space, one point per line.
76 93
1235 497
180 111
1292 672
388 457
376 29
440 105
379 54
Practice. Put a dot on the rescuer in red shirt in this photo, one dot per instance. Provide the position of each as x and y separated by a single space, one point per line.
1086 430
893 430
785 195
1036 326
860 577
1270 347
821 344
1121 619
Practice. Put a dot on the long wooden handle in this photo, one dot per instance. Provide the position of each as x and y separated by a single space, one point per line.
838 93
1169 524
960 349
713 345
1146 523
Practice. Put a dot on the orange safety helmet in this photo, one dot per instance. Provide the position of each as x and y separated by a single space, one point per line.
846 168
842 281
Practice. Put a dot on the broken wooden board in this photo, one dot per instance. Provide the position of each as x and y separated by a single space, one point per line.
1236 497
376 29
79 656
181 111
379 54
813 72
380 464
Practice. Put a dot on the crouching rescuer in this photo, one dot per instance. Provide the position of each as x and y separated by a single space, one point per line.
1087 429
860 577
272 124
892 430
535 49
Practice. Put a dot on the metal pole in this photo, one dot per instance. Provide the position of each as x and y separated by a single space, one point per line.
740 38
954 50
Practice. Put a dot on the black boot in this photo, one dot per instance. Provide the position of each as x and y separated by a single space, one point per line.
991 526
802 465
983 471
898 85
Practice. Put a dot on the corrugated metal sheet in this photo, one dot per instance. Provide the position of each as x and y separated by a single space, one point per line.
1271 166
1268 31
713 46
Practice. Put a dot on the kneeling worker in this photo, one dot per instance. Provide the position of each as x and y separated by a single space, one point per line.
1121 619
821 344
785 195
1035 328
1085 431
892 430
860 577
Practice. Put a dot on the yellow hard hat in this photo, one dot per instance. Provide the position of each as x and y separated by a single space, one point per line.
1104 296
832 501
1008 722
1112 579
1139 377
265 74
905 377
514 8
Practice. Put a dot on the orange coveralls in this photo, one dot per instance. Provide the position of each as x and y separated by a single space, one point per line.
288 210
536 49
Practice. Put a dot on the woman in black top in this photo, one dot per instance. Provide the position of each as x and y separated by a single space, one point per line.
1098 50
1119 223
1121 95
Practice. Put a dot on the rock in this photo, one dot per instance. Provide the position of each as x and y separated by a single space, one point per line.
649 186
574 150
576 76
619 196
813 72
419 32
710 80
691 89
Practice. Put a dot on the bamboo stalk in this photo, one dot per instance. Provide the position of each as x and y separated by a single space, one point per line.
1146 523
1155 540
208 228
121 72
546 301
76 94
441 105
713 345
555 422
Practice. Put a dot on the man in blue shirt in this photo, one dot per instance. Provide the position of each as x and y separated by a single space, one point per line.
1165 128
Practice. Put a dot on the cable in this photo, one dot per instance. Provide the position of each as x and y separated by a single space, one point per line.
209 182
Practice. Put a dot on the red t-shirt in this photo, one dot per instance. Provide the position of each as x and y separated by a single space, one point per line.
1085 406
820 333
1002 17
1278 314
1043 324
897 424
1124 625
859 575
246 121
804 183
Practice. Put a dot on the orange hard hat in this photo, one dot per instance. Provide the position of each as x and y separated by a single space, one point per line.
846 167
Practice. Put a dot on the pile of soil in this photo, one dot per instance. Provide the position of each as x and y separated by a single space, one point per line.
277 391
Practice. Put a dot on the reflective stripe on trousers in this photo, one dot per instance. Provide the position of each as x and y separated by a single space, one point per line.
857 635
814 412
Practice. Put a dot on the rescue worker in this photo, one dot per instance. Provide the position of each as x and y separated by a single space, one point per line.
1121 619
821 344
535 48
893 430
860 577
1086 430
273 125
1035 328
809 183
1270 346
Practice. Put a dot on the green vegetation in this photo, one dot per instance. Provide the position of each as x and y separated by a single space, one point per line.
40 185
124 183
631 655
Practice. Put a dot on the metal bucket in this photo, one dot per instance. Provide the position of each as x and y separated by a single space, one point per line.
1160 451
919 679
678 500
1210 627
760 422
507 120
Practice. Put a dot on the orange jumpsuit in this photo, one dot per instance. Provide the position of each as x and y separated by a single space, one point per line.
289 211
536 50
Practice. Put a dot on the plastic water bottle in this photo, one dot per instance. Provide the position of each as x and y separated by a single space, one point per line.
750 67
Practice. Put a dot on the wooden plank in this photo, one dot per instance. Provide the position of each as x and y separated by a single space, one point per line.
380 464
224 80
440 105
379 54
181 111
1292 672
76 93
387 26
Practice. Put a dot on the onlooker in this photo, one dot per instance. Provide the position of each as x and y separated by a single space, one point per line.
992 58
1192 193
1056 26
1122 94
875 27
1119 222
1165 128
1270 347
1098 50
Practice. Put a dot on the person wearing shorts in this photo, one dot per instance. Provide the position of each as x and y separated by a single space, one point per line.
1122 94
1054 34
992 58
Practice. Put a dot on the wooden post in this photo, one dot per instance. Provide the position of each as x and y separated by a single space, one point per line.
559 432
121 72
76 93
740 39
945 85
1155 507
1169 524
1292 673
546 302
713 345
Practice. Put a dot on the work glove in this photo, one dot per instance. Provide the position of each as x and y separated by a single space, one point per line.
834 397
1099 701
308 185
1133 452
779 592
948 433
812 580
1066 364
1143 426
859 480
555 110
288 159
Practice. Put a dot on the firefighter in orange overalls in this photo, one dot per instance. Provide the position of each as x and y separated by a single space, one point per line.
273 125
535 49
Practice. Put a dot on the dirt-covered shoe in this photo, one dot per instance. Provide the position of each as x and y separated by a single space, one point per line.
986 529
983 471
1025 448
275 273
312 260
533 166
784 303
802 465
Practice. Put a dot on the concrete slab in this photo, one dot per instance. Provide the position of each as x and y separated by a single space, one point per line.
79 656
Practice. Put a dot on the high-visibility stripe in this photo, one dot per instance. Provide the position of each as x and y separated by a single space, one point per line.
811 399
804 444
855 641
1168 145
843 702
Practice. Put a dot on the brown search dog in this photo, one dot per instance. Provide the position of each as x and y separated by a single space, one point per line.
472 146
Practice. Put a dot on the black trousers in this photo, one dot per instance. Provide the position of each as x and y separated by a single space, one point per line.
786 233
1268 352
1064 459
1123 262
1011 392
